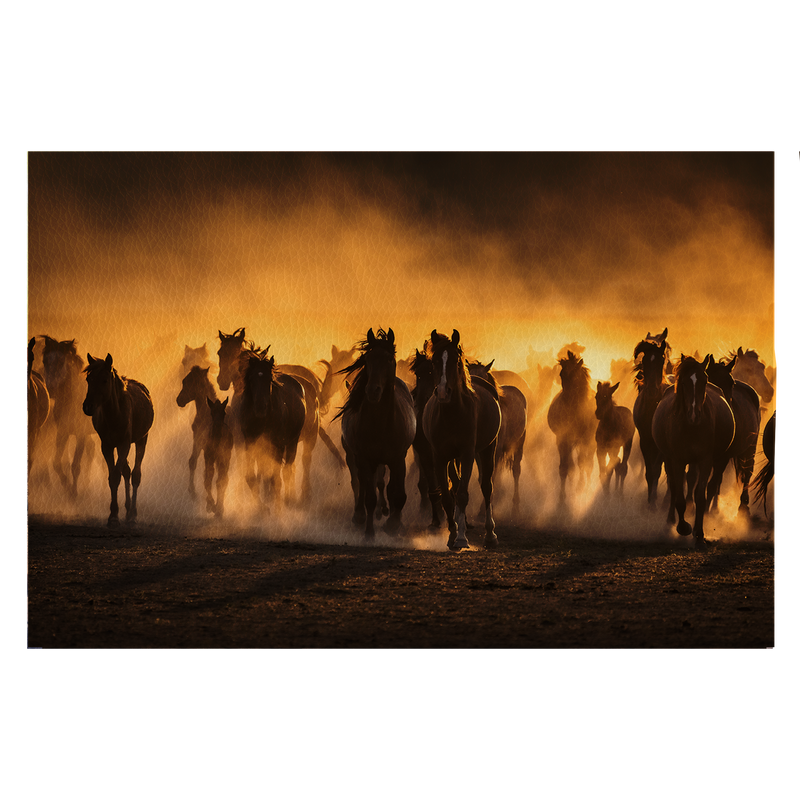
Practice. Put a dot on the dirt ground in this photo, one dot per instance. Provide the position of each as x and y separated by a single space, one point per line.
161 586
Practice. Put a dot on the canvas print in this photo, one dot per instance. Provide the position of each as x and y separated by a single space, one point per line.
427 353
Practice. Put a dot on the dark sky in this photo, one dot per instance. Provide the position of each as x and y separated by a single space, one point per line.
564 241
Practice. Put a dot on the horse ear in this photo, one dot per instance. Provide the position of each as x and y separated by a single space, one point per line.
390 336
456 336
598 386
109 360
664 334
739 352
90 359
334 350
370 337
206 370
489 365
186 349
210 404
732 364
706 361
682 357
614 387
224 403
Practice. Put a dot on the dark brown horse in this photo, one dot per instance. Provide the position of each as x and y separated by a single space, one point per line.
461 421
693 426
232 346
38 404
197 388
650 358
122 414
63 369
513 422
767 472
422 369
272 415
744 403
217 456
378 427
614 433
572 419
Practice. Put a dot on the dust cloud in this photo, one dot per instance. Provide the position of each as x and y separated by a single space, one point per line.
139 255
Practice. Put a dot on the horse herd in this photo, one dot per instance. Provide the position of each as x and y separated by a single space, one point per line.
693 417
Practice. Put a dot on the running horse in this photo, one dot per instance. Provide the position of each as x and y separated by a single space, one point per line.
462 422
744 402
614 433
693 426
767 472
197 388
378 427
571 417
38 404
271 415
122 414
651 385
513 422
217 456
62 375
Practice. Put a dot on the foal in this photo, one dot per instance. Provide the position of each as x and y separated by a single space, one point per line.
219 446
614 431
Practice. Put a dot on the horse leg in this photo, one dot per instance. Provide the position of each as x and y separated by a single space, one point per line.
62 438
359 514
487 462
222 485
308 452
288 470
675 475
442 469
622 469
383 505
192 465
208 481
77 459
704 471
564 466
366 479
516 469
603 469
113 484
396 493
746 471
136 475
462 499
250 476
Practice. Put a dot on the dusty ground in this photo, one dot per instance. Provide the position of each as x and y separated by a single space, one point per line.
156 586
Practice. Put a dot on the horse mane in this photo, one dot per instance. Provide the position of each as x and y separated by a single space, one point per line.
489 378
684 366
606 385
265 361
99 363
358 386
250 349
576 365
420 362
69 346
435 347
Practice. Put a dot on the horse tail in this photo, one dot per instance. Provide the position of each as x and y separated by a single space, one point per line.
331 446
761 483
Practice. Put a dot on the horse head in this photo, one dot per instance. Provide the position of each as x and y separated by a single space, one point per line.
574 375
690 388
217 409
57 358
100 375
380 364
751 369
603 397
652 361
193 385
231 345
720 374
447 359
259 377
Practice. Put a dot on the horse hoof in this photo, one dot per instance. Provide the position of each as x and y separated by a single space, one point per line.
684 528
490 541
113 522
744 511
459 544
700 543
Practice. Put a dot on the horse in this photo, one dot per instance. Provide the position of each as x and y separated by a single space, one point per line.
194 357
333 385
614 432
767 472
744 403
572 419
217 456
197 388
462 422
422 369
378 427
271 416
693 426
38 404
122 414
62 375
750 369
513 422
649 357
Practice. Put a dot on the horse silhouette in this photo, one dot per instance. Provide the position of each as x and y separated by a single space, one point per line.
38 405
614 433
217 456
122 414
378 427
693 426
197 388
767 472
461 421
